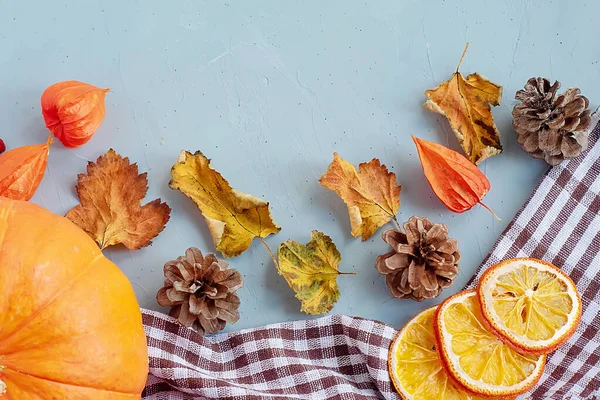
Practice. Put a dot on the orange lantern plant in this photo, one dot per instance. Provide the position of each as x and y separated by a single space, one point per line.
73 111
70 325
22 170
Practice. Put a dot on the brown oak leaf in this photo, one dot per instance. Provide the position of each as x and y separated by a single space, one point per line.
466 104
371 194
110 211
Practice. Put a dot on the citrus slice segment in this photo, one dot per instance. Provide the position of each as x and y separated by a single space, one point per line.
475 356
530 303
414 365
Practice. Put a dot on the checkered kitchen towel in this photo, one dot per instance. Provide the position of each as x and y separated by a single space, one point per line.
339 357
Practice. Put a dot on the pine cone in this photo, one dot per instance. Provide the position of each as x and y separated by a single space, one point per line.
548 127
200 291
423 261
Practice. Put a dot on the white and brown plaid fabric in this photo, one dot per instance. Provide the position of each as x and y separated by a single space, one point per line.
560 223
339 357
333 357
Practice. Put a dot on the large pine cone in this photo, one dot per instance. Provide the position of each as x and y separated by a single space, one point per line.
423 261
200 291
550 127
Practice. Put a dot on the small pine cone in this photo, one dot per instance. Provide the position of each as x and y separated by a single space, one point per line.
200 291
423 261
550 127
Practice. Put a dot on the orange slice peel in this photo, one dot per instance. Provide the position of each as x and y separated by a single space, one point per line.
414 364
475 357
530 304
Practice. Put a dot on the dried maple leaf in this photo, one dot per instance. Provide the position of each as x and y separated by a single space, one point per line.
22 170
466 104
371 194
110 211
311 271
233 218
457 182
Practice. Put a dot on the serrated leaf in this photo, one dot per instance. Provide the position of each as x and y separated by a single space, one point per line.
466 104
311 270
110 211
233 218
371 194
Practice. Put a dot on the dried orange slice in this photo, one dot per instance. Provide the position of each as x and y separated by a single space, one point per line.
475 357
530 303
414 365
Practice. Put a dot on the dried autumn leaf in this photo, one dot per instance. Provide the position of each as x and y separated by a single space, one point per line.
311 270
22 170
466 104
110 211
233 218
73 111
457 182
371 194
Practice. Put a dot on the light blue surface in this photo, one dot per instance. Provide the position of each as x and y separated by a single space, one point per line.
269 90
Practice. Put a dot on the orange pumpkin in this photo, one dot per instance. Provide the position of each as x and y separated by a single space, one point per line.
70 325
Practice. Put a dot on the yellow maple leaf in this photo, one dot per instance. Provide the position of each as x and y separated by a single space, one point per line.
110 211
466 104
311 271
233 218
371 194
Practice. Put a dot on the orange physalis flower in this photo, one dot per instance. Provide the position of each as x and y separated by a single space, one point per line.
73 111
22 170
457 182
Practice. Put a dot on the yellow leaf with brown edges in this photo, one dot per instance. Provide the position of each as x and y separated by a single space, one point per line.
110 211
372 194
311 270
466 104
233 218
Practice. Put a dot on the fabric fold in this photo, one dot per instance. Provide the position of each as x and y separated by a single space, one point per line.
340 357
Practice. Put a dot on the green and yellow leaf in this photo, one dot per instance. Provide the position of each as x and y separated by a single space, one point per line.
311 270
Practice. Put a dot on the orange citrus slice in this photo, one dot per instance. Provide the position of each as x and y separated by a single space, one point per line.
414 365
475 357
530 303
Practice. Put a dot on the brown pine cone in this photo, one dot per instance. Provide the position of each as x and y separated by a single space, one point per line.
200 291
423 261
550 127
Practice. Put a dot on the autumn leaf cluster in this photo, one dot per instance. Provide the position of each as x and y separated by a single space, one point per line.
112 190
371 192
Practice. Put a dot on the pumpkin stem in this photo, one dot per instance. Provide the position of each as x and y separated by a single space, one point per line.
2 386
490 210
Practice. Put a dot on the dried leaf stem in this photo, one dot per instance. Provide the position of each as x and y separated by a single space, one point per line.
462 57
397 223
270 252
490 210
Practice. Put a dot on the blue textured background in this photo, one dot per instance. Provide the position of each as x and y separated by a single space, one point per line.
269 90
